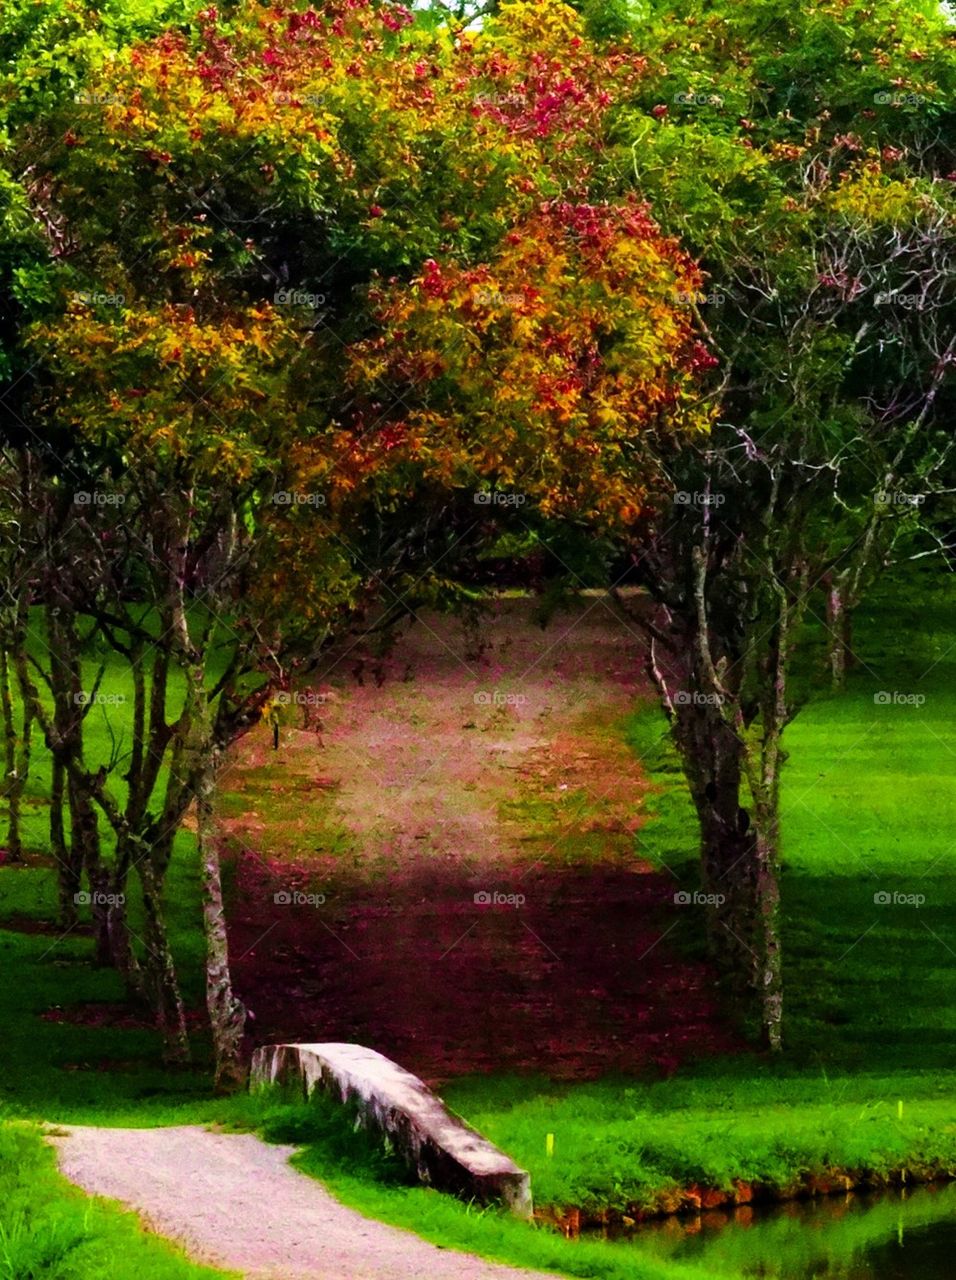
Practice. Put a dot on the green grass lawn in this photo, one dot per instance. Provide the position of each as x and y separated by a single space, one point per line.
51 1231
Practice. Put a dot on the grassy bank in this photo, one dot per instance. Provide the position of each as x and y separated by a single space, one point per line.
625 1146
51 1231
363 1176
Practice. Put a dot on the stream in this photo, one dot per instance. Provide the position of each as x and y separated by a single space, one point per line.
890 1235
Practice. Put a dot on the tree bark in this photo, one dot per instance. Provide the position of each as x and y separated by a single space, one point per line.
16 757
768 967
839 634
739 872
85 852
121 953
69 870
159 969
712 759
227 1014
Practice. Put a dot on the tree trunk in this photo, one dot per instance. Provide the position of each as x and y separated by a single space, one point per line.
15 757
85 852
12 791
24 755
768 971
712 760
839 635
227 1014
69 870
738 865
122 956
159 970
121 953
741 874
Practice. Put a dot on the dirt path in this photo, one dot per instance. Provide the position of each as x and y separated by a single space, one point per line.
235 1202
368 850
415 756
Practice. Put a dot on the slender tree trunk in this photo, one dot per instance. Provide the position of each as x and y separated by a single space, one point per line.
85 852
739 872
712 760
69 870
82 850
741 876
227 1014
122 955
159 969
16 758
768 973
840 634
24 758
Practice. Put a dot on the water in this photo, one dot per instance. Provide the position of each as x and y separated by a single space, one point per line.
893 1235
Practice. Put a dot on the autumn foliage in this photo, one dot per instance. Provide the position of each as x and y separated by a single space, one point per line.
548 369
353 249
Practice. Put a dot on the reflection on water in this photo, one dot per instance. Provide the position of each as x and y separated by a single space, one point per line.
893 1235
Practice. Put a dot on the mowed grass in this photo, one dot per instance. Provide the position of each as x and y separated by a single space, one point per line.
51 1231
57 1070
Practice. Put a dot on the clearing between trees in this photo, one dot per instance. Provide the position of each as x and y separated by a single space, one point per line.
447 867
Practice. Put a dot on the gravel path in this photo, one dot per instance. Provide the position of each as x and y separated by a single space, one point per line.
235 1202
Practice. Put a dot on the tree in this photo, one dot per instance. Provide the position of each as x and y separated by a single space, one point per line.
232 198
548 374
831 130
